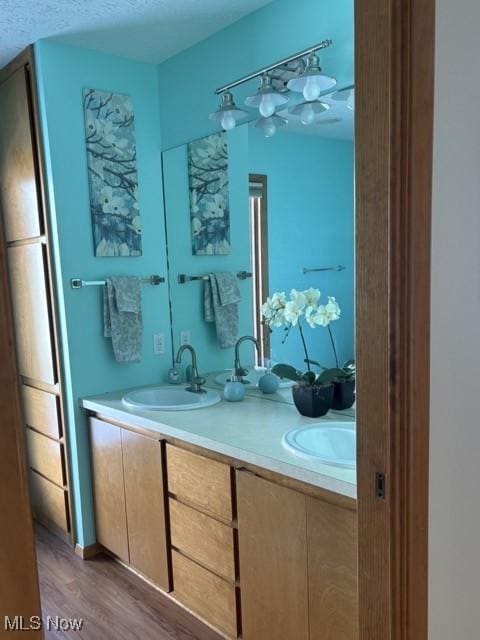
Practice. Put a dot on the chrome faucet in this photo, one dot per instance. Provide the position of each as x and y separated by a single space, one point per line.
240 372
196 381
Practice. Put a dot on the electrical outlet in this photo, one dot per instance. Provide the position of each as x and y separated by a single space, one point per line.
159 344
185 337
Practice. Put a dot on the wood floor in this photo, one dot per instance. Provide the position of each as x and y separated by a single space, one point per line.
113 603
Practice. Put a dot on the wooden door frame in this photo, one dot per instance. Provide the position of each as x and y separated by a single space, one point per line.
394 43
394 68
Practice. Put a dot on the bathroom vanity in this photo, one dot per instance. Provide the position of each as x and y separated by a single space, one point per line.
211 508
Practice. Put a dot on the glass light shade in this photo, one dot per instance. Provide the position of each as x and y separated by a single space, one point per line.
308 111
270 125
351 101
228 113
228 121
307 115
267 98
312 82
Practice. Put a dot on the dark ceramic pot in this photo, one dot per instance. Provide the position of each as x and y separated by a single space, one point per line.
343 395
313 402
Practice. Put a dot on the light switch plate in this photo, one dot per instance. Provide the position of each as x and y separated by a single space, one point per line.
185 337
159 344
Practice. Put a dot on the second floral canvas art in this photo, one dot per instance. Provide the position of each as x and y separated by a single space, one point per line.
209 198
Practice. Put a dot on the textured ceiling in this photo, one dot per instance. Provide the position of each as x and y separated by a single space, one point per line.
147 30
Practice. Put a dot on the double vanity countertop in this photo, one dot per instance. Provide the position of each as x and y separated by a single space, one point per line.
250 431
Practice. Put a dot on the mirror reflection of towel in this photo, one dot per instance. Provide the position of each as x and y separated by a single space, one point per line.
221 296
122 317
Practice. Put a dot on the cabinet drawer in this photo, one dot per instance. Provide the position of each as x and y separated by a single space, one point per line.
201 482
211 597
202 538
48 501
40 410
45 456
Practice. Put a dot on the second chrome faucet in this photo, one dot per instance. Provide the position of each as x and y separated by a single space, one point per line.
239 372
196 381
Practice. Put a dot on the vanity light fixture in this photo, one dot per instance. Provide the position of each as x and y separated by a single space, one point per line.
228 113
311 82
270 125
267 98
308 111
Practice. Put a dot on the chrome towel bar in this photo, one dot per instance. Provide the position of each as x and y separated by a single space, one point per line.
339 267
183 278
77 283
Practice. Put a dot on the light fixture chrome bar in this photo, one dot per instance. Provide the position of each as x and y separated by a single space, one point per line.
182 278
77 283
301 54
339 267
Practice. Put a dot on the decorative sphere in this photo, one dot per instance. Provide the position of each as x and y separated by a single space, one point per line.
234 391
268 383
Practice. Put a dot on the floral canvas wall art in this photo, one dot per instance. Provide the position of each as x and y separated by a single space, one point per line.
112 173
209 198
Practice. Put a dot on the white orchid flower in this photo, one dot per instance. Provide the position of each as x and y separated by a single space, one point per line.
321 318
312 296
278 300
298 298
310 316
292 313
333 309
278 320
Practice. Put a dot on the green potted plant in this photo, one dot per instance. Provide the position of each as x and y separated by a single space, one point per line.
313 394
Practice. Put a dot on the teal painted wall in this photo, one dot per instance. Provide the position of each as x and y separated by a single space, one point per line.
188 80
310 224
63 72
187 299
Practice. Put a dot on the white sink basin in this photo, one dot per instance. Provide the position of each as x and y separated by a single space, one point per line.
251 379
170 398
330 443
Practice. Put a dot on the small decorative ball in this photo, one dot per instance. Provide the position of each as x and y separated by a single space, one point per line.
268 383
234 391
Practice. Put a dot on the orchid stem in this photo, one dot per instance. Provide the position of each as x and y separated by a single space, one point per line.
304 345
333 347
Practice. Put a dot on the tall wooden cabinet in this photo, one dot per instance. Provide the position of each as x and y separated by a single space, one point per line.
23 213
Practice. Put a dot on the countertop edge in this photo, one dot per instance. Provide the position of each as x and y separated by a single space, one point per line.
318 480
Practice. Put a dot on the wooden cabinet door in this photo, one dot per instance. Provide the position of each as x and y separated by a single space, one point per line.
145 503
273 560
332 571
108 487
18 195
31 312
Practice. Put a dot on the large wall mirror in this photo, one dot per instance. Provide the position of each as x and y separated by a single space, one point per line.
265 211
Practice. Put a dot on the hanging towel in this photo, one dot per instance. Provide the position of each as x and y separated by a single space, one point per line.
221 296
122 316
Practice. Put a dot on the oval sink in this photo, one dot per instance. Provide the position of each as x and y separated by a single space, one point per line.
330 443
251 380
169 398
